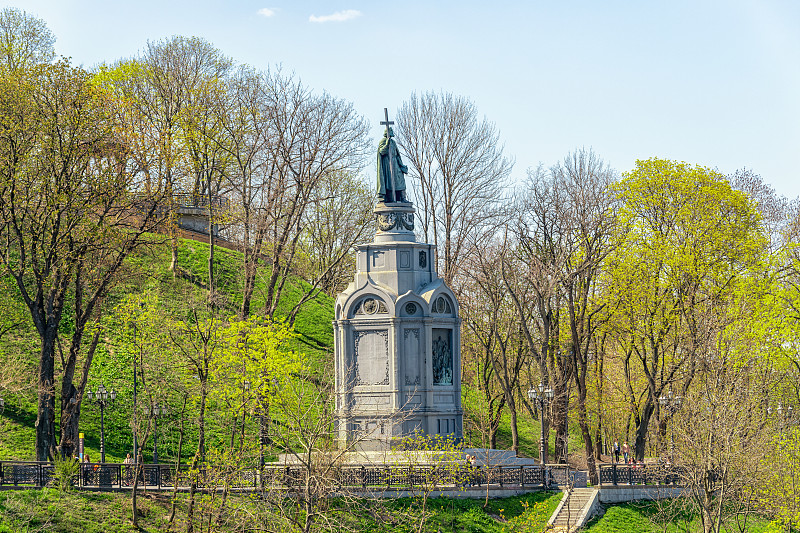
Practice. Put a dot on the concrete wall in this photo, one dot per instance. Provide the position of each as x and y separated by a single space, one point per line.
628 493
465 493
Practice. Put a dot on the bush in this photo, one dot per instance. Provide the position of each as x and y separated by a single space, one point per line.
64 471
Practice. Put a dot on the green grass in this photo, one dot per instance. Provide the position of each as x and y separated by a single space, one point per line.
657 517
147 270
72 512
86 512
529 430
529 512
83 512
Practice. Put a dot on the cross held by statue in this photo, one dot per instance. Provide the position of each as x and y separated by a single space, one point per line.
387 122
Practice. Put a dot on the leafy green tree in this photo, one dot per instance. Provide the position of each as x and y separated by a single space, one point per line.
778 492
70 213
686 238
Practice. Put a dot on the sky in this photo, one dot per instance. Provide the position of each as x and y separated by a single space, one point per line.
714 83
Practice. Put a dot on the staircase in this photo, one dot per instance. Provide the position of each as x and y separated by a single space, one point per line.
574 510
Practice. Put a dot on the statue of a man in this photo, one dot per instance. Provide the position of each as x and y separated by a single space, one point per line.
391 170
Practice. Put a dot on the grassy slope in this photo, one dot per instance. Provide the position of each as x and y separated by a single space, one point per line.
147 271
651 517
77 512
80 512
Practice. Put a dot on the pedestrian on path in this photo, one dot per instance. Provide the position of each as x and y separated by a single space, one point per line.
626 450
615 451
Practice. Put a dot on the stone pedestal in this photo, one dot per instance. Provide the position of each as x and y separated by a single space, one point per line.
397 341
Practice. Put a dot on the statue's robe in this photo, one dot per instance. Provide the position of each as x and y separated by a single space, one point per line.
389 156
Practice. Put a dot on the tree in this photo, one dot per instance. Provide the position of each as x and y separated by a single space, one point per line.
500 353
561 239
314 219
310 138
458 172
686 237
246 128
70 213
170 86
202 132
778 492
25 41
333 227
532 273
722 436
590 213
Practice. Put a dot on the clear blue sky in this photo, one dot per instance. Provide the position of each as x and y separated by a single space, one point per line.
715 83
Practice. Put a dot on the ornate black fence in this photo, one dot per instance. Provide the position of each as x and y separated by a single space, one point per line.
640 475
115 476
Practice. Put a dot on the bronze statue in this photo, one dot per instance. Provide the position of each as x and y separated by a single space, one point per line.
391 170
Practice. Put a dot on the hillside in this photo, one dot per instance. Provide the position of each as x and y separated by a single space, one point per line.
145 272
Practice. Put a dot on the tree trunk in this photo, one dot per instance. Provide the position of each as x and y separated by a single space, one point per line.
560 406
587 438
210 245
251 269
512 409
641 431
72 396
173 505
493 437
249 281
46 412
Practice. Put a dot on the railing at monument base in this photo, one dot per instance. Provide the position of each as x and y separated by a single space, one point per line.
116 476
624 474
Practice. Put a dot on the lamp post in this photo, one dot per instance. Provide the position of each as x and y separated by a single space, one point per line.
101 397
541 396
135 425
156 411
672 404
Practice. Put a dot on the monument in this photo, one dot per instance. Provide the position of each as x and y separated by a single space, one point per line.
396 330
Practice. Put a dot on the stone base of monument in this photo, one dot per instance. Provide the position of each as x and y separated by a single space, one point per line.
397 342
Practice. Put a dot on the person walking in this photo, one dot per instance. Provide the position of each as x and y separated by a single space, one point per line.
615 451
127 470
626 450
87 469
473 470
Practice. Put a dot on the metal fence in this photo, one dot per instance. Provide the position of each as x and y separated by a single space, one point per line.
640 475
179 200
115 476
200 200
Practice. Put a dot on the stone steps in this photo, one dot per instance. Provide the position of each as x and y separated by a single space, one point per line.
571 513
